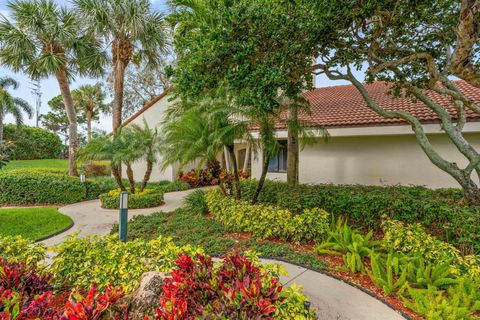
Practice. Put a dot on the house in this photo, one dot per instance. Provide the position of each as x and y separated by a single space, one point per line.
363 147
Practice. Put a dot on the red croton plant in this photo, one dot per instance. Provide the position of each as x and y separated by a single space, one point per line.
26 294
237 289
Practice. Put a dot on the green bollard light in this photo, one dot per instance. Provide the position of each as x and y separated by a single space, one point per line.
123 212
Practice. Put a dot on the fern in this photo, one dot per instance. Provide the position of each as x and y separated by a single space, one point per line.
384 272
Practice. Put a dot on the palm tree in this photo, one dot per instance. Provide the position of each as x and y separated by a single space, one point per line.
105 148
134 30
88 99
202 130
43 39
148 141
12 105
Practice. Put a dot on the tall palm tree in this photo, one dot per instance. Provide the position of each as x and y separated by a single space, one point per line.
43 39
89 99
134 32
12 105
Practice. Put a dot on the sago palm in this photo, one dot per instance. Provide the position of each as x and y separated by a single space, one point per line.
11 105
89 100
43 39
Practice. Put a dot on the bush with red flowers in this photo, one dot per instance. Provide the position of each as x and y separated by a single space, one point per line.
238 289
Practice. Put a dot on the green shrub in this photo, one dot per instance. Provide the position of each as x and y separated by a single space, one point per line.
32 142
386 273
413 239
422 274
18 249
173 186
39 187
266 221
104 260
95 169
146 199
441 210
195 202
461 301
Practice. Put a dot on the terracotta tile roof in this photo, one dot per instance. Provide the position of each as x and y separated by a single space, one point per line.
343 106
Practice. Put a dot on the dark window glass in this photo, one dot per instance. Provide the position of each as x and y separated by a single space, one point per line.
279 162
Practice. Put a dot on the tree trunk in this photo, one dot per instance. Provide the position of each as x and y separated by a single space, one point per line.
292 148
131 180
118 177
1 127
146 177
261 182
89 126
72 120
472 192
238 189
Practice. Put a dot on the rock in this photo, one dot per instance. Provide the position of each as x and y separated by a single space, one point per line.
145 299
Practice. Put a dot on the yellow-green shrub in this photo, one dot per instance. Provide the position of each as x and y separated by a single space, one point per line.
104 260
146 199
412 238
266 221
18 249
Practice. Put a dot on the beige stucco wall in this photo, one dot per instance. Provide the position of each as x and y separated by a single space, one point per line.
378 158
153 116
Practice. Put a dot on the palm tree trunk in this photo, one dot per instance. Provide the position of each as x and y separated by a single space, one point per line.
118 82
146 177
72 120
238 190
292 148
89 126
118 178
1 127
131 180
261 182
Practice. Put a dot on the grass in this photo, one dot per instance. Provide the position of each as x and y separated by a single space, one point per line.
37 164
32 223
187 227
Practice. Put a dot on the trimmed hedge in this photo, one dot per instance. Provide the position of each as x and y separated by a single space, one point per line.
32 142
45 186
146 199
266 221
441 210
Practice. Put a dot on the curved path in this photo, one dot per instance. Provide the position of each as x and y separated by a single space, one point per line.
332 299
89 218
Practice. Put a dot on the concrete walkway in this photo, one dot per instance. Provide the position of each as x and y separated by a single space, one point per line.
89 218
331 298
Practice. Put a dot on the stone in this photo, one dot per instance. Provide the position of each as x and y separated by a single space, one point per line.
146 298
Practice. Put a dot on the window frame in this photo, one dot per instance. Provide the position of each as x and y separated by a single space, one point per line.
282 153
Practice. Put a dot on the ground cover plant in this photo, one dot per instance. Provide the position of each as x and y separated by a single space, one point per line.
32 223
441 211
145 199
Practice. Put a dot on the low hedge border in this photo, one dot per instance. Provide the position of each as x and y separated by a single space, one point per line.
147 199
266 221
45 186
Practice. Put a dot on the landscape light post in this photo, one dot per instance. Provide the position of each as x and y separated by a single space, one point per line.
84 182
123 217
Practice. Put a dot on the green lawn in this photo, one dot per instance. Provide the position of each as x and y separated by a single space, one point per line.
186 227
32 223
36 164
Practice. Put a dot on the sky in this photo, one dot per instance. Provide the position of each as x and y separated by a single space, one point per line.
50 89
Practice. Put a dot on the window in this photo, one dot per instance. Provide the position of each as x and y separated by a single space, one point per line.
279 163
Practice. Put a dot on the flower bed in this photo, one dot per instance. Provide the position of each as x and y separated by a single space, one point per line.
146 199
238 287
